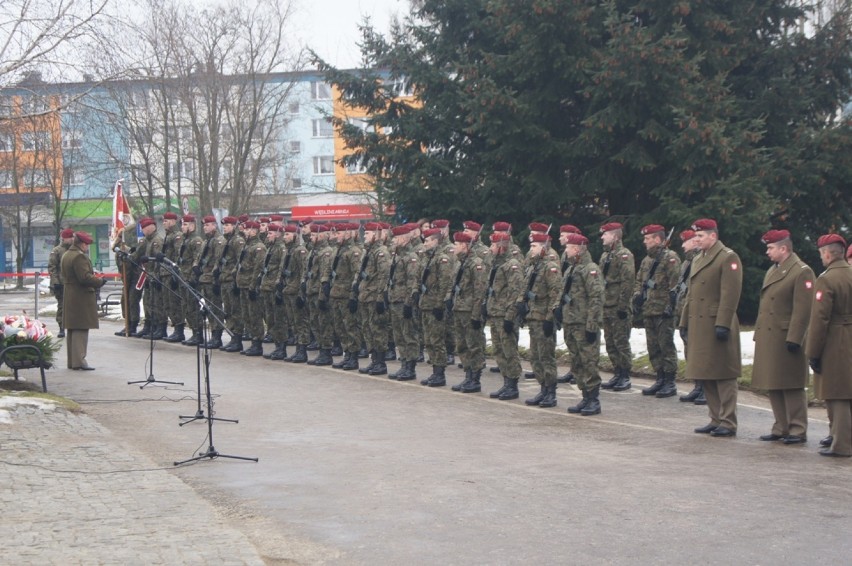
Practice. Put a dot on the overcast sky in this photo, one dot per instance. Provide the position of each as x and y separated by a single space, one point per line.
330 27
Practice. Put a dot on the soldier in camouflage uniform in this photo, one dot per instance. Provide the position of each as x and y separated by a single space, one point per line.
204 280
188 254
677 298
536 306
403 284
152 294
371 284
344 268
248 278
619 275
225 277
436 281
129 245
464 301
505 284
581 308
538 228
172 293
292 273
56 285
274 311
447 243
657 274
319 276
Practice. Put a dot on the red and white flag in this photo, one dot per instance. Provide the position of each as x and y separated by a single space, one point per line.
121 216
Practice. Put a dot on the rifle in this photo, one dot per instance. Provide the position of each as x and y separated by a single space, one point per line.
457 283
265 269
678 291
423 277
303 286
488 293
605 268
565 299
362 274
649 283
524 307
202 261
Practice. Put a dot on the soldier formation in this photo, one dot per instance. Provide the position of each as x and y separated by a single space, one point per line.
414 293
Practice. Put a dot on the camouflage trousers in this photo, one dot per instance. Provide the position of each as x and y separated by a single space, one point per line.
617 337
190 308
434 338
347 325
374 327
59 307
231 305
505 345
252 310
584 357
659 334
214 306
275 317
299 319
130 308
542 353
322 324
470 343
152 302
173 299
404 333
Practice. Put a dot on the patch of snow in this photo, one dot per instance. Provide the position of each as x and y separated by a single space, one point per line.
9 403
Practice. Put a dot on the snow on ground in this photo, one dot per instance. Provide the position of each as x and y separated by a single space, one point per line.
9 403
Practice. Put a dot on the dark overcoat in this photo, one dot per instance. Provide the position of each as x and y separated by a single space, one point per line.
830 332
80 299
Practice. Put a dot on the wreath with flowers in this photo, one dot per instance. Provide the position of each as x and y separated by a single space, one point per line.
16 330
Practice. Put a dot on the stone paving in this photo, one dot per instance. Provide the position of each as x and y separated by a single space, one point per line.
72 493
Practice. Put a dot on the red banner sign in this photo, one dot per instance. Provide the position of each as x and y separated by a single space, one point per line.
332 212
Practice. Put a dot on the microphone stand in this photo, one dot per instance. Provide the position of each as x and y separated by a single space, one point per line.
151 379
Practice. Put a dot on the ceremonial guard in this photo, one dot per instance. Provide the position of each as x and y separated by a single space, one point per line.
780 366
224 276
827 345
345 267
447 244
564 232
292 273
657 274
189 252
274 312
248 278
403 285
152 295
126 260
711 328
436 282
172 293
370 285
80 312
618 270
205 279
318 277
677 298
55 271
464 301
505 284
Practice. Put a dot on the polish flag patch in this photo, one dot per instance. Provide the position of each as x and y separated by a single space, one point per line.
593 272
809 284
735 266
818 296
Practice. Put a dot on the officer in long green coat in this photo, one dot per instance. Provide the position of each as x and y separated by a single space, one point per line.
81 305
54 269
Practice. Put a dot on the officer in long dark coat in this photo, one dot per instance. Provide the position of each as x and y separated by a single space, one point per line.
80 312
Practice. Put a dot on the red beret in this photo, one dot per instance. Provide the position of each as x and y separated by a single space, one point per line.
704 224
569 229
276 217
462 237
652 229
401 230
538 227
146 221
412 225
687 235
577 239
440 223
372 226
67 233
243 218
83 237
275 228
264 220
775 236
823 240
385 225
471 225
431 232
539 238
849 252
170 216
500 237
292 228
188 218
501 227
230 220
609 226
208 219
251 224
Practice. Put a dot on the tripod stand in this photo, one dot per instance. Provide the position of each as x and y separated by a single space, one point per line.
151 379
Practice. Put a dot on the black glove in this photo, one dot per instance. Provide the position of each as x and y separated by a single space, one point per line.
196 270
173 284
816 364
279 298
235 290
547 328
352 305
217 289
300 302
144 259
438 313
407 312
57 289
722 333
476 324
323 305
449 304
326 288
279 286
252 295
157 285
508 326
793 347
591 337
622 315
216 272
380 307
637 303
683 334
521 310
557 315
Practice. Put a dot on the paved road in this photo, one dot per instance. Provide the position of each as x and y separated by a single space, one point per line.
362 470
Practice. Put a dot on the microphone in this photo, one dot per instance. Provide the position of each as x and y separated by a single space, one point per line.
119 251
163 259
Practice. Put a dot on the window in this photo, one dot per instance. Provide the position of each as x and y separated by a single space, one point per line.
72 142
35 105
357 167
295 147
295 183
5 178
324 165
400 87
294 108
35 141
7 142
72 177
323 128
182 169
35 178
320 91
363 124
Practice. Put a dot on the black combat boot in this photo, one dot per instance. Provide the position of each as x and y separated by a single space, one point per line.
193 340
593 406
324 358
511 391
280 353
246 336
693 395
410 372
669 388
474 385
616 378
421 358
336 348
437 379
61 333
496 394
549 397
381 367
352 362
313 346
268 355
300 356
567 378
468 375
343 362
576 409
215 341
235 345
161 331
145 332
373 362
268 339
624 383
291 338
403 369
256 348
538 398
363 353
390 353
701 399
177 335
131 330
656 386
